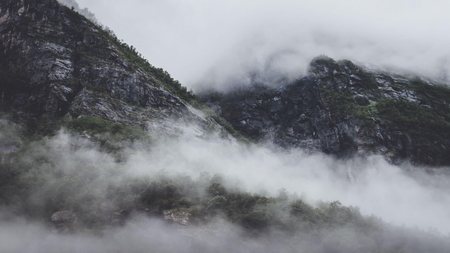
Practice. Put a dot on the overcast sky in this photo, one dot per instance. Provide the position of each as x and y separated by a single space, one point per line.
202 42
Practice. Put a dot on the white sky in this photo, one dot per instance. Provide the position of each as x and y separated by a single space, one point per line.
213 43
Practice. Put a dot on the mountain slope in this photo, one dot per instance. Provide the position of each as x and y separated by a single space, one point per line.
346 110
107 178
55 63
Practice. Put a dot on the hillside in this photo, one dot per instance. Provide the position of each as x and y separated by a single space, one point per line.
58 64
55 64
100 151
345 110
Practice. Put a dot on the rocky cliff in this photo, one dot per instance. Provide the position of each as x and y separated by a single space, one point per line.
56 63
109 179
343 109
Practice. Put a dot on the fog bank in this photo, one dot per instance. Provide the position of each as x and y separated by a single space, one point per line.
70 171
372 184
208 44
401 197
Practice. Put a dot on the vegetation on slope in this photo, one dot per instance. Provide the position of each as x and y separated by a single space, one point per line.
431 114
421 111
12 79
67 172
136 59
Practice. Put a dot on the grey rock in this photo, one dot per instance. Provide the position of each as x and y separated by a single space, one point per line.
301 114
71 68
177 216
64 221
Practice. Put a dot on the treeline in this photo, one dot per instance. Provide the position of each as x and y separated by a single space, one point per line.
132 55
160 74
73 172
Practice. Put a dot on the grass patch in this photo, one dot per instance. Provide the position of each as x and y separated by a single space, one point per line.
414 119
112 137
344 104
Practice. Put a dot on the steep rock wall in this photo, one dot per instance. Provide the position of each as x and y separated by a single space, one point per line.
346 110
56 63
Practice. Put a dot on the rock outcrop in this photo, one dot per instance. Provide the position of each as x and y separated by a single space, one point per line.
55 63
64 221
346 110
177 216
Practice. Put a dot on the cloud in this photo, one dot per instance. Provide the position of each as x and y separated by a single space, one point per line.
215 43
77 170
378 187
77 175
222 42
70 172
139 235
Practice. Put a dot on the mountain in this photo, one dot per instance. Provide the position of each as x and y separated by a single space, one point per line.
58 64
86 165
346 110
55 63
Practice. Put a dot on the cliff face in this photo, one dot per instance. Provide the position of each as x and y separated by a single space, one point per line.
55 63
346 110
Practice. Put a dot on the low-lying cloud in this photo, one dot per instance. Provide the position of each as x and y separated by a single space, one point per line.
213 44
413 198
70 171
139 235
372 184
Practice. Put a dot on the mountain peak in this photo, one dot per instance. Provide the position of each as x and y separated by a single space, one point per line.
57 63
343 109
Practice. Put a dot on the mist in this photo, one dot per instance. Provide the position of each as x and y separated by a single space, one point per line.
372 184
139 235
217 44
71 171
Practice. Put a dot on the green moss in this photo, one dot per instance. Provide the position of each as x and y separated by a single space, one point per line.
323 60
426 122
437 96
403 115
72 14
414 119
343 104
112 137
136 59
368 81
93 125
229 129
130 53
